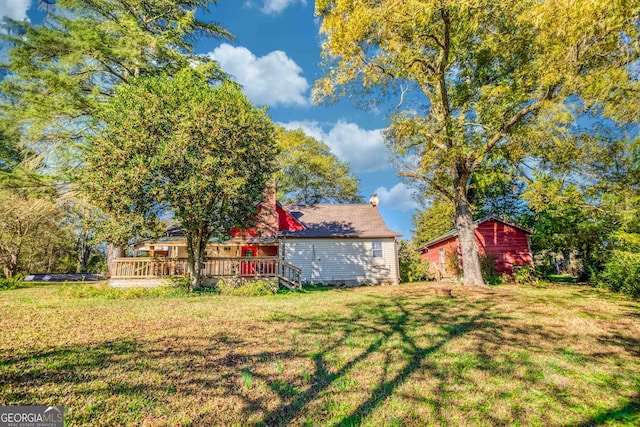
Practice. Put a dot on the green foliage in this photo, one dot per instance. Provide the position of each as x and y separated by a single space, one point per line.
621 269
588 204
480 82
412 268
621 273
247 287
7 283
10 153
452 261
525 275
433 221
495 189
178 144
545 270
103 290
309 173
488 269
33 236
59 71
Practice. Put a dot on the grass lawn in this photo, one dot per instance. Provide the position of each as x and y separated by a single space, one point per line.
558 355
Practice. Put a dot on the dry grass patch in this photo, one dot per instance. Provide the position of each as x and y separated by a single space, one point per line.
395 355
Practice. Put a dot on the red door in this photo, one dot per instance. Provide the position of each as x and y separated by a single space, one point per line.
248 268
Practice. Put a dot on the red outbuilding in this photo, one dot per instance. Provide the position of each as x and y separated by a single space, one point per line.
507 244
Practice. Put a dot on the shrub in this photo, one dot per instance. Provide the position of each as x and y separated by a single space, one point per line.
238 286
544 271
525 275
488 270
412 268
621 273
453 263
12 282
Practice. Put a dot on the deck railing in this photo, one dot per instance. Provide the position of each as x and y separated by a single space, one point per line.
247 267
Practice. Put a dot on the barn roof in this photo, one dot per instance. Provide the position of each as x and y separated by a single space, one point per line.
453 233
338 220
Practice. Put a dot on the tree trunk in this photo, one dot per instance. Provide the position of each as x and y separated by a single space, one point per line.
84 252
472 276
113 252
50 261
10 267
196 245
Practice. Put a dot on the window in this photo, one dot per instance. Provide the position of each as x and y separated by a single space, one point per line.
441 252
376 249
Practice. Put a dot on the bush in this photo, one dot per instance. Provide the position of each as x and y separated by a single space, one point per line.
488 270
412 268
621 273
237 286
453 263
544 271
12 282
525 275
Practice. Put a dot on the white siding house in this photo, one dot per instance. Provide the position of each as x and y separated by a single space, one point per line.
341 245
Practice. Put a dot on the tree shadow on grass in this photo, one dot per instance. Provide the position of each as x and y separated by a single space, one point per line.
399 341
393 319
628 413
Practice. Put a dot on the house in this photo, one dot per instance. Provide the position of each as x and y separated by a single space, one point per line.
346 244
506 243
338 244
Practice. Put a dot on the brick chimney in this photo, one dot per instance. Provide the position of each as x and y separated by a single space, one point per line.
268 218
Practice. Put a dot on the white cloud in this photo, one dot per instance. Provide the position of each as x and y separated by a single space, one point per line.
16 9
364 150
399 197
273 79
273 7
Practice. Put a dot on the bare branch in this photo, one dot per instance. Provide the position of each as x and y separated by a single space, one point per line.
403 91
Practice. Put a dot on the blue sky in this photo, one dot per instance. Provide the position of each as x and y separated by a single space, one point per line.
276 58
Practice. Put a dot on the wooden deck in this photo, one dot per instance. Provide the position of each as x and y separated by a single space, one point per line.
287 274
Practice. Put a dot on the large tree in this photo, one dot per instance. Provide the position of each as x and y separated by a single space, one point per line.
61 70
178 144
31 233
477 76
58 71
308 172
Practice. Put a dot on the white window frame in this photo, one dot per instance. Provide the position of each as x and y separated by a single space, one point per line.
376 250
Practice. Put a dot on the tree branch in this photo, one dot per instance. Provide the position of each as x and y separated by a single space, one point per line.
515 118
429 181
